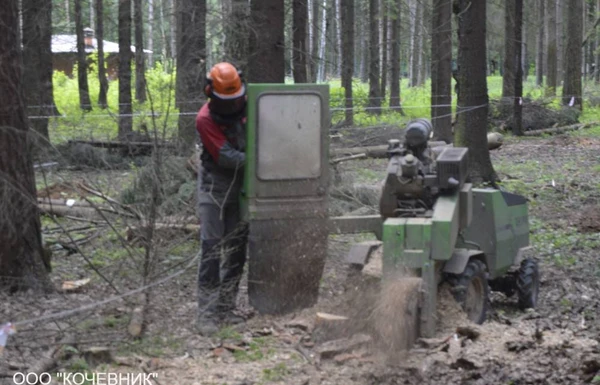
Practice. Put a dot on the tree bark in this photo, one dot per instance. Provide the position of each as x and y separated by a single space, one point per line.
551 51
572 86
539 65
441 70
395 58
23 262
560 47
151 32
322 44
125 108
236 35
374 79
472 110
103 81
416 47
348 57
314 50
384 49
140 62
191 70
510 52
37 74
300 21
84 91
267 63
517 103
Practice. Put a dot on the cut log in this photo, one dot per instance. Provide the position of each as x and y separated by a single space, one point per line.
329 327
64 210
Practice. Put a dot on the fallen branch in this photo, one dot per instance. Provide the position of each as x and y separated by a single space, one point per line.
125 144
345 158
560 130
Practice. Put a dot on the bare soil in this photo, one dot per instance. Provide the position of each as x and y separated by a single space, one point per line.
557 343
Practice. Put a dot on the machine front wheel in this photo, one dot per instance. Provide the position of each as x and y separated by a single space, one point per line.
471 290
528 284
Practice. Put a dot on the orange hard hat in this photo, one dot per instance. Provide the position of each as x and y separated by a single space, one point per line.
224 82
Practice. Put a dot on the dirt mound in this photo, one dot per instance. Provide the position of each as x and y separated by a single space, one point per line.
536 115
589 221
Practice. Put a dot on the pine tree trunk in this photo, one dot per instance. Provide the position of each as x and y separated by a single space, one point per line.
597 57
539 65
560 46
395 58
125 108
338 36
140 62
267 61
551 58
314 53
348 57
151 32
22 260
322 44
300 20
37 61
416 48
103 81
441 70
174 6
236 37
84 91
572 86
510 52
384 49
191 67
365 50
525 47
374 79
472 110
517 128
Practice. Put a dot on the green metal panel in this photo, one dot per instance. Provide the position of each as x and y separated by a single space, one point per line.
265 198
406 243
445 227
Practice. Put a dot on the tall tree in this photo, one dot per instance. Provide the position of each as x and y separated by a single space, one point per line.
417 42
348 57
140 62
22 259
572 87
384 47
517 126
125 107
374 86
151 32
37 55
191 70
300 23
102 99
472 110
510 51
441 70
395 58
560 46
322 44
267 61
551 50
84 91
539 62
236 34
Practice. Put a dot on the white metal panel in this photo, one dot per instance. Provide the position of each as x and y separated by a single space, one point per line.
289 136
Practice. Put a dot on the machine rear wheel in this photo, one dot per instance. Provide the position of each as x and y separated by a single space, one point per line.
471 290
528 284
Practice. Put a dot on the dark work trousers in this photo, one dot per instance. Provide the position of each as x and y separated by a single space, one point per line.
221 233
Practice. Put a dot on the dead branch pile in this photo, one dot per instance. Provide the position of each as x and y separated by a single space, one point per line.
536 115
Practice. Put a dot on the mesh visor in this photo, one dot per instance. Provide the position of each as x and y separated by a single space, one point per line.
227 107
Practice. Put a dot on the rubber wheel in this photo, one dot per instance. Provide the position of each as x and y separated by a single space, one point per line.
528 284
471 290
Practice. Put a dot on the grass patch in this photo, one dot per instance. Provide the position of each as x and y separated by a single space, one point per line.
277 373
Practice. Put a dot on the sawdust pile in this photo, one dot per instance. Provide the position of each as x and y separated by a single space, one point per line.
396 317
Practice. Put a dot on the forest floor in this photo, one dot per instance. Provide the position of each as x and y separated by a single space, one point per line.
557 343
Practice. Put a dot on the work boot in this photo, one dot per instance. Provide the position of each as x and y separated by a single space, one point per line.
206 324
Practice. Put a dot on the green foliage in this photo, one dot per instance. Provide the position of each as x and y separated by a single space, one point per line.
102 124
277 373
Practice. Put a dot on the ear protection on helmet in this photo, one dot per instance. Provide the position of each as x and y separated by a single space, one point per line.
208 83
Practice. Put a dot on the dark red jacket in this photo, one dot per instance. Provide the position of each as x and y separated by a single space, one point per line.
222 158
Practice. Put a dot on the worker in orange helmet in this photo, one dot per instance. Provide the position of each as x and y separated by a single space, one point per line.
221 126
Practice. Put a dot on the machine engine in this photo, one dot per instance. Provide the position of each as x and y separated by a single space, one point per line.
416 176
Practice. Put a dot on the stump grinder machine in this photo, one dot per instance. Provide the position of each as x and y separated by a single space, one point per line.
433 224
